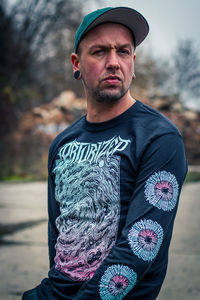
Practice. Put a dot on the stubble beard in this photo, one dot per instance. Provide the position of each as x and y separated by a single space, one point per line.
103 95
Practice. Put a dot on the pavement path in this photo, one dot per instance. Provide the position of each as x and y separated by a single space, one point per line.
24 252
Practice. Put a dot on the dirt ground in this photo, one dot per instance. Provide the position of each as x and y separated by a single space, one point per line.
24 252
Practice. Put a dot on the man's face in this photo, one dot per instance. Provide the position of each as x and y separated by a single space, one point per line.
106 62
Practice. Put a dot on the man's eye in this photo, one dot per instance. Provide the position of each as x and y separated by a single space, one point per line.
124 51
96 52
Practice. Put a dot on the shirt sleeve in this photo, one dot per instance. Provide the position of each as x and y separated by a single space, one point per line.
136 265
53 213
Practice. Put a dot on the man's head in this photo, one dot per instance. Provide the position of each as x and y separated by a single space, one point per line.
126 16
104 52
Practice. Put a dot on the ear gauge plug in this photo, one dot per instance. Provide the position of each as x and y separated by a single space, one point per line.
77 75
133 76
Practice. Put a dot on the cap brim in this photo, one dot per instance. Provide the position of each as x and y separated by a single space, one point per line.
128 17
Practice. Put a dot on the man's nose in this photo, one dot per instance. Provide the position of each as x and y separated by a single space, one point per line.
112 60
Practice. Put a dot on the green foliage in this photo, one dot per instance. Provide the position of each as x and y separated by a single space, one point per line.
8 94
192 177
20 178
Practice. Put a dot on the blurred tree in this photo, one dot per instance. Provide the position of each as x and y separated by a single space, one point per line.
36 37
179 75
152 74
187 68
7 61
38 23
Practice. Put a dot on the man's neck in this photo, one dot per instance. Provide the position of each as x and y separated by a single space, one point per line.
102 112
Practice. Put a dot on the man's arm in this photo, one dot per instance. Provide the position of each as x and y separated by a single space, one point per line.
135 267
53 212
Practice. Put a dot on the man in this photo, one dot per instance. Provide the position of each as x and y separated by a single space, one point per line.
114 176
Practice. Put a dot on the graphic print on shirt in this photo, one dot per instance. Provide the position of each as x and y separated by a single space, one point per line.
145 238
116 282
161 190
87 179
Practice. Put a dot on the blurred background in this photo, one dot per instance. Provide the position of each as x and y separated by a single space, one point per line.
39 96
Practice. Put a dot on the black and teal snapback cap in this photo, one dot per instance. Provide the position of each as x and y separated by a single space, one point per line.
126 16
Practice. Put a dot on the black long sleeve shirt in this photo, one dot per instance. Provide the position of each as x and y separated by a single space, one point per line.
112 200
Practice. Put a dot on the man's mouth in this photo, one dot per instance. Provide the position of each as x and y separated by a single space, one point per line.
112 79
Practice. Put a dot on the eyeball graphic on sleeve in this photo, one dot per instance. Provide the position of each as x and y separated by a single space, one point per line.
161 190
116 282
145 238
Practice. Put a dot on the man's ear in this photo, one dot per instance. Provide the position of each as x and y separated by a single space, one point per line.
75 62
76 66
134 56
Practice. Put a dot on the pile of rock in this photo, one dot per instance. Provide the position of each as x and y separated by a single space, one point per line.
28 145
188 122
37 128
55 116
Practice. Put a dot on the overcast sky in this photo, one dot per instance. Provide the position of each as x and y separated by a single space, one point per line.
169 20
